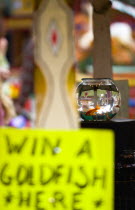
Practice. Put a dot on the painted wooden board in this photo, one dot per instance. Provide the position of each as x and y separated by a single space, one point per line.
54 56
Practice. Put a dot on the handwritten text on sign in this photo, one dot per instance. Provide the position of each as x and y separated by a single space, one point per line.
53 170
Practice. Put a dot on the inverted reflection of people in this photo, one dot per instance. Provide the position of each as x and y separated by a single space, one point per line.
123 44
7 111
84 37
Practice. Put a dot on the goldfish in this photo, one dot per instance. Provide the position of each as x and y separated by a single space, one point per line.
117 106
92 111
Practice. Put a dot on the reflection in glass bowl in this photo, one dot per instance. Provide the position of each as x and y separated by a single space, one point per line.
98 99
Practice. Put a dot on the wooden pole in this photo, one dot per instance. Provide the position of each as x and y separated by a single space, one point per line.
102 40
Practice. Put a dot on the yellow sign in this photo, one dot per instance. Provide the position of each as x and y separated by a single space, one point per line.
56 170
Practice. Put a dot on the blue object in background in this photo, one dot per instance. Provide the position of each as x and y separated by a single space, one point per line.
131 102
18 122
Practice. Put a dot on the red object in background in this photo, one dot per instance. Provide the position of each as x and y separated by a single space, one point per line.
78 5
132 92
27 105
131 105
132 112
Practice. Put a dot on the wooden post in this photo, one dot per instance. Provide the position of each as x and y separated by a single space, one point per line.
102 41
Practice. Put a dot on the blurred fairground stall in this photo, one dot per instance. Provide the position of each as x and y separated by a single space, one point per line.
17 17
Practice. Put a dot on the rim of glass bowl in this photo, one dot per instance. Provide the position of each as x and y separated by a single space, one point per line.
95 79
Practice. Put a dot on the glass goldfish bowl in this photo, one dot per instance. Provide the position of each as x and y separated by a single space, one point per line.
98 99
